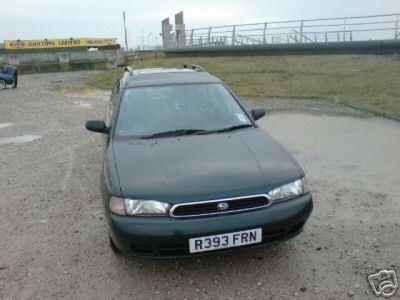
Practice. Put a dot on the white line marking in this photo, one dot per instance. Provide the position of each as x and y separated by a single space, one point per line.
19 139
4 125
82 104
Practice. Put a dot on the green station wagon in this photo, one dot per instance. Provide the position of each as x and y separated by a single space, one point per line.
187 171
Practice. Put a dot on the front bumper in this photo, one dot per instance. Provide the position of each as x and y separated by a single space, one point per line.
169 237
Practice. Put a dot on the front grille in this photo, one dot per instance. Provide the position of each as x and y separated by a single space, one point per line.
220 206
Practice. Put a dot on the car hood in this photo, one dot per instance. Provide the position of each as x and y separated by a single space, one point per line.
200 167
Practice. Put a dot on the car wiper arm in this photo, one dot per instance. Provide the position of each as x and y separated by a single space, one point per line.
179 132
176 132
230 128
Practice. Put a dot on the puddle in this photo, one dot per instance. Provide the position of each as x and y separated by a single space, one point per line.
4 125
82 104
19 139
74 90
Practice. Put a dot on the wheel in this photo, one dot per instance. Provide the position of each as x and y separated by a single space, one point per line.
2 84
113 247
15 81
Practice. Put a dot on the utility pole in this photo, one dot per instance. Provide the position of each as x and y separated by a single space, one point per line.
126 37
142 39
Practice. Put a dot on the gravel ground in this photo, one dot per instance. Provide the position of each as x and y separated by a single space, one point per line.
54 241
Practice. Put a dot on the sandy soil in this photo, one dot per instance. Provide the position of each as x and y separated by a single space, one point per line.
54 241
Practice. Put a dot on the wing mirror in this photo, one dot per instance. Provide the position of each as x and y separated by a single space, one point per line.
96 126
257 113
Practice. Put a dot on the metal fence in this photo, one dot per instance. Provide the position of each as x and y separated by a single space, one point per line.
346 29
148 48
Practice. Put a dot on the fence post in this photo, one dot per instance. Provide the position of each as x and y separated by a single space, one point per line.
233 35
396 32
191 37
301 31
326 37
344 29
208 35
264 33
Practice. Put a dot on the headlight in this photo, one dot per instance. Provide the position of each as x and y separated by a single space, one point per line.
145 208
132 207
287 191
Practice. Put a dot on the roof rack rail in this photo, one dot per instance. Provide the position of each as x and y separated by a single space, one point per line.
129 70
194 67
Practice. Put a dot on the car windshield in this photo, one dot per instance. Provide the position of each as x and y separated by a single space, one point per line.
185 108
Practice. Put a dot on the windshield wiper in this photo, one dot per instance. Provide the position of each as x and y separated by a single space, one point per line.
176 132
230 128
179 132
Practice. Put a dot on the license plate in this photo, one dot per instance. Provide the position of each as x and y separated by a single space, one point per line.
226 240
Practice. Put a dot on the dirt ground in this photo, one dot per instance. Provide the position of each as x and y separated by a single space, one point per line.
54 241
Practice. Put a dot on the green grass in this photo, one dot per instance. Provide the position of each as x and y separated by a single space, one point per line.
368 81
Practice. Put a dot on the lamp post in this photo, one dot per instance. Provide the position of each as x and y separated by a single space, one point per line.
126 37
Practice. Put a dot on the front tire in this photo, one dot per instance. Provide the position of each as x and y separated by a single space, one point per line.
2 84
15 80
113 247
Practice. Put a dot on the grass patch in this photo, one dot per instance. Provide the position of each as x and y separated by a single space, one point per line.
368 81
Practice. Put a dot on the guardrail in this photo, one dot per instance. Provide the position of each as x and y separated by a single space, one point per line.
346 29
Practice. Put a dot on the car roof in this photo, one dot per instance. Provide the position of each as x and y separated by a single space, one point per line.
163 76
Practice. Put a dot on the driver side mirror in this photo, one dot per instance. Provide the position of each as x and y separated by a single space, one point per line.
257 113
96 126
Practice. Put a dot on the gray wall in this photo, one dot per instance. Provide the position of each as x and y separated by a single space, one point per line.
64 61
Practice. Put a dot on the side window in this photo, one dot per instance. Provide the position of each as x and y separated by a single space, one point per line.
111 103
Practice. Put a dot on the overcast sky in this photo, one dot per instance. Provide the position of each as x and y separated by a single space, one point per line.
35 19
